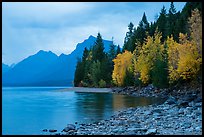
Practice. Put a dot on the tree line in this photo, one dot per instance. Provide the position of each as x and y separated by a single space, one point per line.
165 52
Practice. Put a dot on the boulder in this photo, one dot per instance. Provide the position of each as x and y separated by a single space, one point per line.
151 132
171 100
52 130
44 130
69 127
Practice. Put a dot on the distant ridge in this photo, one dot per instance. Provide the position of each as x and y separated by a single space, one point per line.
46 68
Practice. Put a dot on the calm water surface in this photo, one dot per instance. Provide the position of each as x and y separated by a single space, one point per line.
29 110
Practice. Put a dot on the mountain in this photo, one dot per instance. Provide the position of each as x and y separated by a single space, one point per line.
5 68
47 69
29 70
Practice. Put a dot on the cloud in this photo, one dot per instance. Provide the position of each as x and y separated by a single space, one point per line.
30 27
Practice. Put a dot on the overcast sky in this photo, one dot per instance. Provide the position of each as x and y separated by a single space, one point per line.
58 27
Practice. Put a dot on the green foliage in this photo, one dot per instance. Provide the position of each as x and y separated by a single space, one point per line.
159 74
128 38
79 73
162 23
96 65
112 51
102 83
118 50
98 49
129 78
95 73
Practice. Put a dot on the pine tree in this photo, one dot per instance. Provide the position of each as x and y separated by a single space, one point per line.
118 51
171 20
112 51
161 23
95 73
128 38
152 28
142 30
85 54
98 49
79 73
186 13
129 78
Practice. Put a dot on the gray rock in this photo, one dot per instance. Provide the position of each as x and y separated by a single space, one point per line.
198 99
52 130
69 127
198 128
157 110
44 130
198 104
183 104
187 125
171 100
136 129
151 132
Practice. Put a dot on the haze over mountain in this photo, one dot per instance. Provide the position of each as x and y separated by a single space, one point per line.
46 68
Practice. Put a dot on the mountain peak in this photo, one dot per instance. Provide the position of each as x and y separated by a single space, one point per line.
45 52
91 37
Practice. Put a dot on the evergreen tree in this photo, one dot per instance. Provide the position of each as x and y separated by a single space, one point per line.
162 22
172 9
111 55
112 51
106 69
129 78
98 49
152 28
96 73
85 54
171 21
142 30
79 73
159 73
118 50
186 12
128 38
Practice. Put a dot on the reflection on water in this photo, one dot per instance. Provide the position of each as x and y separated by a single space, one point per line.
29 110
97 106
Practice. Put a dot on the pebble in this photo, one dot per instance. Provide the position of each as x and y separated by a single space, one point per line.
52 130
175 116
151 132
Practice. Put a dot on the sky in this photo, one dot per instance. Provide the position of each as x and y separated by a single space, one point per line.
28 27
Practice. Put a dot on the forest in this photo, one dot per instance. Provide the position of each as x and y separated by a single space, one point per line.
164 53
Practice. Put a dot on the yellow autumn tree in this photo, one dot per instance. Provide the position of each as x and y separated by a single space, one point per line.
143 64
173 57
185 57
189 61
151 50
122 63
195 22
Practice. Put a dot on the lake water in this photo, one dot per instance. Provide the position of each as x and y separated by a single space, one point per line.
29 110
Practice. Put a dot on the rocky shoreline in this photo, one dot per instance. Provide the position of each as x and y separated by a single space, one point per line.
180 114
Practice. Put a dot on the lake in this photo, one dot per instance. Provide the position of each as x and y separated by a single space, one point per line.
29 110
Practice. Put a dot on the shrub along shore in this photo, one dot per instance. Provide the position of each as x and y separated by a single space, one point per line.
180 114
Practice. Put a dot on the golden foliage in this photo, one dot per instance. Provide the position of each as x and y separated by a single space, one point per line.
196 29
183 59
173 57
189 60
151 50
122 63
